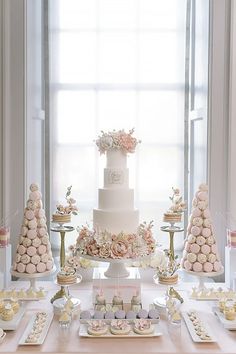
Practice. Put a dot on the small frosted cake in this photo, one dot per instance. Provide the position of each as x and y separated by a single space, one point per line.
63 213
97 328
174 213
173 279
120 327
143 327
67 276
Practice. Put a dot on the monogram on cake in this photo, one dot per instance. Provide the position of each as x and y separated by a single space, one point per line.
116 232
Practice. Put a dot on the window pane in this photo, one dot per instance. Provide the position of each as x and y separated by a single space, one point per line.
117 57
76 117
117 14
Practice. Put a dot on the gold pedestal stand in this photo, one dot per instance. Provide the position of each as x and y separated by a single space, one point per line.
62 230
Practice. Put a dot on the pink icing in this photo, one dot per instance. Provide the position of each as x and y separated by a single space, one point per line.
36 242
21 267
45 240
30 268
217 266
42 232
206 232
187 265
202 204
214 249
198 221
42 249
195 230
32 224
197 267
200 240
26 242
25 259
194 248
35 259
29 214
45 258
196 212
41 267
208 267
206 213
206 249
31 234
41 222
21 249
31 251
202 195
49 265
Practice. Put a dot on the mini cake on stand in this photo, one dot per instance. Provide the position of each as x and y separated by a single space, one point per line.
201 256
33 255
63 213
168 274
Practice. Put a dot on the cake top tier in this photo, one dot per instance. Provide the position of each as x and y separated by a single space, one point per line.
117 140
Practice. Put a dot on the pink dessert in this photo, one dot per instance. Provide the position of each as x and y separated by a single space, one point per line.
41 267
31 234
25 259
200 240
208 267
196 212
42 249
34 195
30 268
26 242
32 224
214 248
202 196
206 232
21 250
24 230
42 232
31 251
195 230
187 265
36 242
194 248
197 267
35 259
206 213
21 267
4 236
206 249
29 214
217 266
49 265
45 258
197 221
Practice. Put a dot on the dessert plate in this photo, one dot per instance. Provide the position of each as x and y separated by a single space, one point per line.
83 333
14 323
43 334
230 325
192 331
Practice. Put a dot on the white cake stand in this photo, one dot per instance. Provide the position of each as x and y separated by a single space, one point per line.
33 277
117 267
202 275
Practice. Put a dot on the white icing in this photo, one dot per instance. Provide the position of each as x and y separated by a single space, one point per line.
113 199
116 178
116 221
116 158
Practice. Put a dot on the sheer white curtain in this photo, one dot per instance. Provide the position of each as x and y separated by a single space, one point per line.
117 64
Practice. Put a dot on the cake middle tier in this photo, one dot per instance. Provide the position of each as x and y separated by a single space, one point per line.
115 221
110 199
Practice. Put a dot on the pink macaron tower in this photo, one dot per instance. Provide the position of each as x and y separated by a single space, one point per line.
33 254
201 253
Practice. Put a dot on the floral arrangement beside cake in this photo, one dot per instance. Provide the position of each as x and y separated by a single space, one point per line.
63 213
174 213
116 232
200 250
33 253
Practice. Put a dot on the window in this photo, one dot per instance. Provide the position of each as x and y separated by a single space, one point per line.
118 64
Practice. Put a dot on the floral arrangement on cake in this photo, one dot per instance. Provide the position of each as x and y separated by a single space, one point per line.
117 140
107 245
70 208
178 206
77 262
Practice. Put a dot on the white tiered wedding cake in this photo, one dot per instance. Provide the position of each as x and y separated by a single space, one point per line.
117 232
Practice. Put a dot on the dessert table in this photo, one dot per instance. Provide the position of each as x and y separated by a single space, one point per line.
172 340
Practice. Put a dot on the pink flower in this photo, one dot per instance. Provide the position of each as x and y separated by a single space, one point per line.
119 249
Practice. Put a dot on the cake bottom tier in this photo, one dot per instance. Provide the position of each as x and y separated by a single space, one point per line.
116 221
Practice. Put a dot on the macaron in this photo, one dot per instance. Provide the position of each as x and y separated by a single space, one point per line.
131 315
49 265
36 242
45 240
200 240
31 205
26 242
21 267
21 249
18 258
195 230
41 222
44 258
210 240
187 246
153 314
191 257
40 213
202 204
214 248
206 232
211 257
35 259
42 231
197 221
34 195
30 268
206 213
217 266
32 224
205 249
191 238
197 267
194 248
42 249
188 265
203 187
31 251
29 214
207 223
208 267
31 234
25 259
41 267
196 212
24 230
34 187
202 258
203 195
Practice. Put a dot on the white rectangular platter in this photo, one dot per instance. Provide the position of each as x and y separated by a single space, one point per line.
192 332
230 325
83 333
44 333
14 323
